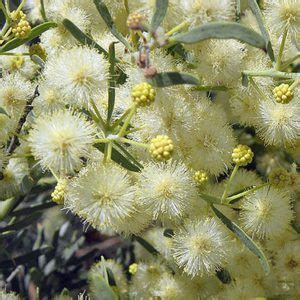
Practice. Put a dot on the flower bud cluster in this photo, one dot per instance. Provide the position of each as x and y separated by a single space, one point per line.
161 147
21 27
242 155
58 194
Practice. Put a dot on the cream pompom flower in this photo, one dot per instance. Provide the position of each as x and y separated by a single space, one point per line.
170 288
266 213
49 100
79 73
279 124
13 174
102 195
208 145
288 261
200 247
61 139
221 62
283 14
166 189
200 11
14 92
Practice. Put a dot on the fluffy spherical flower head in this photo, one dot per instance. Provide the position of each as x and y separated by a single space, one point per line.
79 72
283 93
13 175
14 92
50 99
222 62
200 11
242 155
133 223
170 288
60 140
165 189
161 147
135 21
58 194
279 178
283 14
278 124
143 94
266 213
288 260
209 146
200 247
147 277
117 271
244 104
102 195
200 177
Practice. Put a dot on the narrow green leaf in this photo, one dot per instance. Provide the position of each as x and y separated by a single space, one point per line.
112 81
210 199
99 289
104 13
221 30
21 224
165 79
24 259
43 12
33 208
119 158
3 111
82 37
128 155
146 245
259 18
248 242
159 14
35 32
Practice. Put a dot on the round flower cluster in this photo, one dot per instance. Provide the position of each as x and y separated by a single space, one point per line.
200 177
135 21
143 94
140 132
283 93
59 192
21 27
242 155
161 147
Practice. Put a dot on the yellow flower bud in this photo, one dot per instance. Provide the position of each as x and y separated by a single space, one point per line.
283 93
133 268
200 177
161 147
135 21
58 194
20 26
279 177
242 155
37 49
143 94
